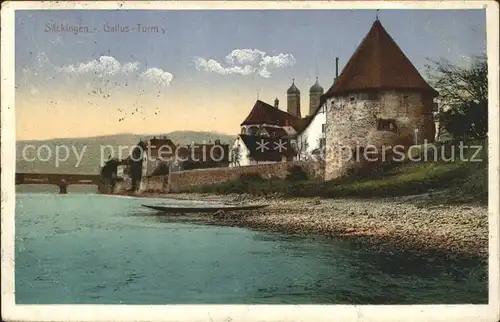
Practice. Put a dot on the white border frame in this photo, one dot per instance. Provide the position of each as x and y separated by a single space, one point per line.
11 311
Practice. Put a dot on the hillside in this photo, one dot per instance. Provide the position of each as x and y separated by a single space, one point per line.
91 156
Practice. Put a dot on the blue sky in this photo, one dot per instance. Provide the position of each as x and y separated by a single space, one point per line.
288 43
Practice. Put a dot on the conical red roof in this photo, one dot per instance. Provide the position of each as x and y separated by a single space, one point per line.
379 63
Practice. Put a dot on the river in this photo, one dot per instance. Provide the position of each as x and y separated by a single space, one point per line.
95 249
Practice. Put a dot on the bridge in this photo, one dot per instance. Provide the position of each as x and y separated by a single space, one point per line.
57 178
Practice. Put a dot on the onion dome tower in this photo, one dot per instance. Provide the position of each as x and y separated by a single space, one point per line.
293 100
315 93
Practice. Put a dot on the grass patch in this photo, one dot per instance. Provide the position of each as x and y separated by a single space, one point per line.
465 180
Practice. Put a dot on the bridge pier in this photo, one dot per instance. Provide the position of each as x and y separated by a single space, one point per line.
63 187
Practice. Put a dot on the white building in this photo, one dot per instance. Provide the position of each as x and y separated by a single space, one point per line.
305 135
252 150
311 140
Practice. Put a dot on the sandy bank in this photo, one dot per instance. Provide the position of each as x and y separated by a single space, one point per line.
399 222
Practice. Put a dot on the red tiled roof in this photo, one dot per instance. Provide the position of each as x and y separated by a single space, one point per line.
378 63
167 147
204 152
263 113
159 142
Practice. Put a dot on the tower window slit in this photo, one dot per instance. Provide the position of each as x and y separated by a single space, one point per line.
386 125
404 103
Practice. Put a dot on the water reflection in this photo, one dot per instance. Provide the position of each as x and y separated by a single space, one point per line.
37 188
52 188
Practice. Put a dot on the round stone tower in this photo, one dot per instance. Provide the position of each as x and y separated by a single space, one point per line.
315 93
293 100
378 107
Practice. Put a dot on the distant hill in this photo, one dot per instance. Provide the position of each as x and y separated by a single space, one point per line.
91 157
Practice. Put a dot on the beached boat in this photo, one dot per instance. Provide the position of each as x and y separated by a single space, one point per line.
173 209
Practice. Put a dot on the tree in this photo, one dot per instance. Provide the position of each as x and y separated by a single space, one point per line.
320 151
463 96
136 164
235 156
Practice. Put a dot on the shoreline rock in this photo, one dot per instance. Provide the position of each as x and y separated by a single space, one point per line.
454 230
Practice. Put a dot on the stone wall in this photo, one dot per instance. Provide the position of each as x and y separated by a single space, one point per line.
182 181
352 125
154 184
293 104
150 184
121 187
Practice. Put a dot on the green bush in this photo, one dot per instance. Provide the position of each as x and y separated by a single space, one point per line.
161 169
296 173
250 177
467 179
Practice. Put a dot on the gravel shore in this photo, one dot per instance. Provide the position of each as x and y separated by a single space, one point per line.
401 223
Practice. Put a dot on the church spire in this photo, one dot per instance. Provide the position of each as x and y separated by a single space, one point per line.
315 93
293 89
378 63
293 100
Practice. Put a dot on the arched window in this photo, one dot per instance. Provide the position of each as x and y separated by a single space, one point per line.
243 130
253 130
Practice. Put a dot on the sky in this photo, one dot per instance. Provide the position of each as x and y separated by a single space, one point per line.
200 69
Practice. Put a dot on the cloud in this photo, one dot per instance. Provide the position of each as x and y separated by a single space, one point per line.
245 62
215 67
103 66
106 66
157 75
129 68
279 61
245 56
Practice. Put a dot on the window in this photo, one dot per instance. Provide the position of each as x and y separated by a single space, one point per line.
386 125
253 130
404 103
323 128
